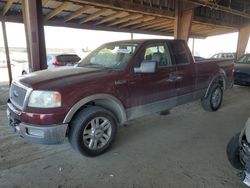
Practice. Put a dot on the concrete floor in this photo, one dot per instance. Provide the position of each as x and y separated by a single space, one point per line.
183 149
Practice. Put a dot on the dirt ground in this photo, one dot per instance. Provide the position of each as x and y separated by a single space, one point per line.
183 149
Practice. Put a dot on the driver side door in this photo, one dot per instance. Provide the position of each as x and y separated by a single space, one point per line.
148 91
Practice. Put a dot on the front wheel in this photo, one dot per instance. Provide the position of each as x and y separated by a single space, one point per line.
214 98
92 131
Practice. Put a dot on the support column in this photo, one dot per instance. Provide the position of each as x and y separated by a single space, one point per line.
243 38
6 46
183 20
34 27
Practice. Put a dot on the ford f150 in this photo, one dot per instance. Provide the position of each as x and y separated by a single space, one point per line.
117 82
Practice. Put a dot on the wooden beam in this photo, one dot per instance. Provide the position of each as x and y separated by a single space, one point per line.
143 19
6 47
156 20
112 17
169 30
7 6
34 30
243 38
44 2
183 21
125 19
127 5
59 9
168 25
78 12
94 15
160 23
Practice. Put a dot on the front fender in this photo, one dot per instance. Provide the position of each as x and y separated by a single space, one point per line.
105 100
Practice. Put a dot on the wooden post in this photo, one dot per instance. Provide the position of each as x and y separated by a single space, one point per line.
132 36
243 38
34 27
183 20
6 46
193 46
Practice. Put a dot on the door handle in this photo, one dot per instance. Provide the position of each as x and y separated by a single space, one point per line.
172 76
120 82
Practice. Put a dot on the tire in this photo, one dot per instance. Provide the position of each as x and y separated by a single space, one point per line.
233 152
24 72
92 131
214 98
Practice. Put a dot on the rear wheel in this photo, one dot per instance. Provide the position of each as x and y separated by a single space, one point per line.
92 131
214 98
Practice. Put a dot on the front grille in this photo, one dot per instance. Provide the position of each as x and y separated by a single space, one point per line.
17 95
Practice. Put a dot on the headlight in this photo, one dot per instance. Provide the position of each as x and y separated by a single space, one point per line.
44 99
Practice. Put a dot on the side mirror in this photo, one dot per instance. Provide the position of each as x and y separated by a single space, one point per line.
146 67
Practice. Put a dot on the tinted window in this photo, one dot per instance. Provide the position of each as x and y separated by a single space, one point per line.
179 52
159 54
68 58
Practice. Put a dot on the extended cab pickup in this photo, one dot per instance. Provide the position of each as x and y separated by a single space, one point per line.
117 82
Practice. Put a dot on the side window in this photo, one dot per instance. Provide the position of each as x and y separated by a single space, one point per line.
243 59
248 60
159 54
179 52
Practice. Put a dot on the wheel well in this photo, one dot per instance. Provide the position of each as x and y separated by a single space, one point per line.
108 104
220 80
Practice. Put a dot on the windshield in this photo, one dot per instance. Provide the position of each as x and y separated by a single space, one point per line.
114 56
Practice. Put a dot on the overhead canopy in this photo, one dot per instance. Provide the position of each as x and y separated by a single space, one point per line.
140 16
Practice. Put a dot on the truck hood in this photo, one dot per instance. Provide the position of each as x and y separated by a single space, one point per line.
242 68
59 77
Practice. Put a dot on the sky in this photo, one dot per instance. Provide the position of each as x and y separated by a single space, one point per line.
59 37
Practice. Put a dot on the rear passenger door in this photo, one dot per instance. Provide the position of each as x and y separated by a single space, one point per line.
185 69
146 88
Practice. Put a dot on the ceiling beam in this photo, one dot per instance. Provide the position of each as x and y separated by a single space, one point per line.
95 15
156 20
44 2
168 25
160 23
7 6
127 5
143 19
125 19
59 9
112 17
214 6
78 12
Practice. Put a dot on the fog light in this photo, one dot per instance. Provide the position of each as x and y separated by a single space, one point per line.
35 132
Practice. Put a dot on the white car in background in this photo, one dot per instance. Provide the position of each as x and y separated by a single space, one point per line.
55 60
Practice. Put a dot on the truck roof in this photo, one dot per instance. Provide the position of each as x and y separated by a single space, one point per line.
140 41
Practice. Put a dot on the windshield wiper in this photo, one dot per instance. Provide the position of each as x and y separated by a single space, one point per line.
93 65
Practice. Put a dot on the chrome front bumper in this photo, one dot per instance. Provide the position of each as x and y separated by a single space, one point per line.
46 134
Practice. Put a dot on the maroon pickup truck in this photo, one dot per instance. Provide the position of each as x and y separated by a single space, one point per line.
117 82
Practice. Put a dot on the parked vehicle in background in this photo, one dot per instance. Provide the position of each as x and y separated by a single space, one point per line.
238 152
242 70
19 67
229 55
117 82
198 58
55 61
